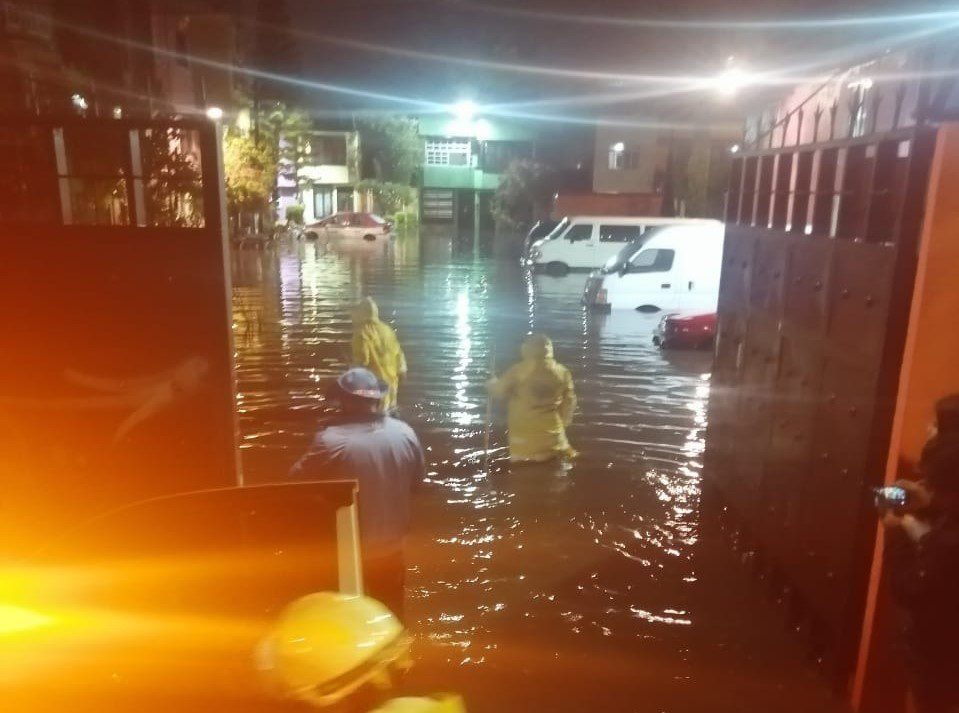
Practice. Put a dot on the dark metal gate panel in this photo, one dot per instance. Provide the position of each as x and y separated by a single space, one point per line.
116 372
819 259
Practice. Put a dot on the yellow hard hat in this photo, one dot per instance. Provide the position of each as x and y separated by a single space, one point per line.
442 704
326 645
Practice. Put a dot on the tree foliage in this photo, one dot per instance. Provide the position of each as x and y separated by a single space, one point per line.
173 191
525 191
252 161
391 148
390 197
251 170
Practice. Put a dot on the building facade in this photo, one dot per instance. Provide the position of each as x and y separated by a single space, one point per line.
463 160
685 168
629 160
326 181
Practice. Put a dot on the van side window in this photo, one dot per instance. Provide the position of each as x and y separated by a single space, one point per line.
652 260
619 233
578 232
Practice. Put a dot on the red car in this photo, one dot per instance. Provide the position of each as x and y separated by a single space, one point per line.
686 331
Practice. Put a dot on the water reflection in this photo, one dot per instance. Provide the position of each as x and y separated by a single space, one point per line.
572 588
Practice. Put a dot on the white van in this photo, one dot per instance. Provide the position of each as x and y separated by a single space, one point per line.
586 242
675 267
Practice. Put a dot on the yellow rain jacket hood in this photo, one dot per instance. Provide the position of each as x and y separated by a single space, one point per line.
376 347
542 401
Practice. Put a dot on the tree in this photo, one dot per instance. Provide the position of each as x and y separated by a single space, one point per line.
288 130
173 189
525 191
250 169
391 149
390 197
253 161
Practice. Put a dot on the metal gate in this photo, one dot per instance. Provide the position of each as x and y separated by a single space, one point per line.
818 265
116 369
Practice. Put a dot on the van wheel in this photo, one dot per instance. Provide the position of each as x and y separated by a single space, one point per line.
647 309
369 238
557 269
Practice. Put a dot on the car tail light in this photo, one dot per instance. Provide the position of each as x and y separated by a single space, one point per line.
601 296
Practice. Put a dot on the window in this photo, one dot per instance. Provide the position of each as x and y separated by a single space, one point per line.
652 260
327 150
619 233
322 201
448 152
623 159
579 232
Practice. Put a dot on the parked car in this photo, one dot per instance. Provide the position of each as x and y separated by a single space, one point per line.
540 229
686 331
675 267
586 242
350 227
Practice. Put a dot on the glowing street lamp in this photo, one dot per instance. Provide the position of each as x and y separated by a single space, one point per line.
214 113
465 109
731 81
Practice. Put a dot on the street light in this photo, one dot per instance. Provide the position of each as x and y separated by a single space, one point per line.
618 147
465 109
214 113
731 81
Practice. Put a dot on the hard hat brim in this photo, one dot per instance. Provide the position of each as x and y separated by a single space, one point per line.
394 655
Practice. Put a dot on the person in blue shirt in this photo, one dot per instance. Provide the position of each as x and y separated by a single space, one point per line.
385 457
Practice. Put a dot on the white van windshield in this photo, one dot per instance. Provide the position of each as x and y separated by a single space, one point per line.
555 232
622 258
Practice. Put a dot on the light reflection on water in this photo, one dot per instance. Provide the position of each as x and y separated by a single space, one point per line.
519 574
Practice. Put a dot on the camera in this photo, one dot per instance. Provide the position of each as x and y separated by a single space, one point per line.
891 497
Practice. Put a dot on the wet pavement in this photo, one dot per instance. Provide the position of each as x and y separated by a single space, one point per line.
608 587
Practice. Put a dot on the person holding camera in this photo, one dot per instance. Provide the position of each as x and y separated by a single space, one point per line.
922 558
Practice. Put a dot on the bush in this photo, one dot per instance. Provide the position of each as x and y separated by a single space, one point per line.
389 197
294 213
406 221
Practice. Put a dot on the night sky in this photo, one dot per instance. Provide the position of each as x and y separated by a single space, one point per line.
336 40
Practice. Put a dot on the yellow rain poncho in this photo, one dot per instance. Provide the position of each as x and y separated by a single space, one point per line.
541 403
376 347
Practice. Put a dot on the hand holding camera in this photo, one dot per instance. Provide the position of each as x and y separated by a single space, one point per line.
900 503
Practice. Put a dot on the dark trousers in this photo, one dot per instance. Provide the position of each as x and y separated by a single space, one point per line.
384 579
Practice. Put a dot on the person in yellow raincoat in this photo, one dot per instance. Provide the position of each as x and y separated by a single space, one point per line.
541 403
376 347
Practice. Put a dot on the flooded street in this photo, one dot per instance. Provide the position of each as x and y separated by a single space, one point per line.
607 587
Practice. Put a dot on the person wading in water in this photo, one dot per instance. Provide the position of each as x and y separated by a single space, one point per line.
541 399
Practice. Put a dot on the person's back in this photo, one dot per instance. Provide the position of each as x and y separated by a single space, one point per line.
375 347
541 403
384 456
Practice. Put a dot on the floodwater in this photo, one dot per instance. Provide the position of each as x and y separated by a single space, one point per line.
610 587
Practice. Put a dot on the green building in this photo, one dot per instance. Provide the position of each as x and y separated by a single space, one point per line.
463 158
